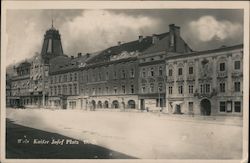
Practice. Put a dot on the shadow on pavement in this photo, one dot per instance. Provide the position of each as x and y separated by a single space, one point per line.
19 145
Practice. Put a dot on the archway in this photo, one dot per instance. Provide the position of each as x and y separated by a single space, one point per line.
115 104
93 104
106 104
205 107
99 104
131 104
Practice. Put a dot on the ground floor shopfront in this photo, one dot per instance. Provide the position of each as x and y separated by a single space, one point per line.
94 102
150 102
112 102
27 101
205 106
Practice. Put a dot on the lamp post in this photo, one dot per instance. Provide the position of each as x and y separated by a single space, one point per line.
159 103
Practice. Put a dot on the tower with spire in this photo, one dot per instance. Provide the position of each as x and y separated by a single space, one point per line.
52 45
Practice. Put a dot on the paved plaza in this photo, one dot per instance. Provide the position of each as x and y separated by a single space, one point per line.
140 134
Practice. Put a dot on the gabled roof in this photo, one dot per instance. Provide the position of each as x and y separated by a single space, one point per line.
163 46
217 50
64 63
132 46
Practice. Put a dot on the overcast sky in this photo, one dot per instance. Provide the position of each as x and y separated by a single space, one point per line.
93 30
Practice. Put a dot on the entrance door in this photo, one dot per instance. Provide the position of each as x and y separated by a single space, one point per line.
205 107
64 103
190 108
142 104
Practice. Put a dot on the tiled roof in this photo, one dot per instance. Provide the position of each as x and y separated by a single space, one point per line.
221 49
131 46
64 63
162 45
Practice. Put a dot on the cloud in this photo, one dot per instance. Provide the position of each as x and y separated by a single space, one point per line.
95 30
207 28
81 31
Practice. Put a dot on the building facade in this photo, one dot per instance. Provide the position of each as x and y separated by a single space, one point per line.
110 79
159 72
152 68
30 79
206 83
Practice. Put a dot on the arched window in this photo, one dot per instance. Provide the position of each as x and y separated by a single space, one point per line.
152 71
99 104
131 104
115 104
106 104
160 71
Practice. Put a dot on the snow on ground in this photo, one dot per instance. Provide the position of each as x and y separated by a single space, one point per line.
142 135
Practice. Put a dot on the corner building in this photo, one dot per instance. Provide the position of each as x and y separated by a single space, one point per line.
152 68
206 82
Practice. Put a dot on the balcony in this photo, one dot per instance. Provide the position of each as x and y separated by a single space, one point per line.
180 79
190 78
170 79
222 74
237 74
205 95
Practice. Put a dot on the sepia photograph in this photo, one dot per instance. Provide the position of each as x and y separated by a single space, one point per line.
140 81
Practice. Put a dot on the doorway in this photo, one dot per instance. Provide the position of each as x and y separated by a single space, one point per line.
205 107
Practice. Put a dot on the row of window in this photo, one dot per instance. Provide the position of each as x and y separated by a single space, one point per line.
152 72
107 90
224 107
236 87
63 78
100 77
204 88
152 88
64 89
237 65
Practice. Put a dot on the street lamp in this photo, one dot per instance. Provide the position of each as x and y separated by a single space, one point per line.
159 103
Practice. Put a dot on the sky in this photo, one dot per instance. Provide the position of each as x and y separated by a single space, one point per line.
88 31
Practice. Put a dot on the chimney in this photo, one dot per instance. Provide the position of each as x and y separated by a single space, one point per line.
174 32
154 39
140 38
79 55
174 29
119 43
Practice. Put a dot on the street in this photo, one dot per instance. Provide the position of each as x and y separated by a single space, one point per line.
139 135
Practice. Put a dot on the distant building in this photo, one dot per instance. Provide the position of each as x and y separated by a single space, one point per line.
206 82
